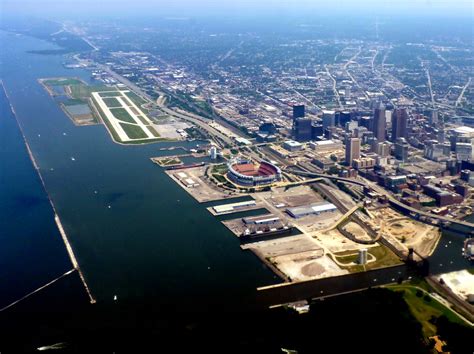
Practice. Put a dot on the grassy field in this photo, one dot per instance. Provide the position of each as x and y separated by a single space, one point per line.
122 114
112 102
110 94
219 178
74 101
133 131
425 308
135 98
169 162
352 258
143 120
85 91
105 120
153 131
222 168
62 82
384 258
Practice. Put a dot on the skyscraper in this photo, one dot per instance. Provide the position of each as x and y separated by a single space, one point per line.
434 117
401 149
298 111
352 150
344 118
329 119
379 123
302 129
399 124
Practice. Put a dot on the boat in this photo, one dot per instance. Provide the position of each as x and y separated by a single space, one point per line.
258 234
180 167
468 249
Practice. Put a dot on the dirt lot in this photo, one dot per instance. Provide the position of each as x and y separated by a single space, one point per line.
357 231
308 265
298 257
284 246
335 241
293 197
407 232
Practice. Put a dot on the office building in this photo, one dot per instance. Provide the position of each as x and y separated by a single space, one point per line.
298 111
302 129
401 149
434 117
399 124
344 118
316 131
352 150
329 119
379 122
381 149
363 163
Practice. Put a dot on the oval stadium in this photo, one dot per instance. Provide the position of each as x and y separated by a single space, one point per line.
245 172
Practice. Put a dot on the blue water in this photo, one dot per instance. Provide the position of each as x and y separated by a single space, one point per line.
155 243
32 252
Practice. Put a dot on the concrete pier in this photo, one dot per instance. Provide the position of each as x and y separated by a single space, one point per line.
69 249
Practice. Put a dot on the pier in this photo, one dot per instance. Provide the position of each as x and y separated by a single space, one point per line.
69 249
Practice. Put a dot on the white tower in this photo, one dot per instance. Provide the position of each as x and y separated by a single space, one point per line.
362 256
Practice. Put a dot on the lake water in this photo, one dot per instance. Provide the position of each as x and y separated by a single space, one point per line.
154 243
135 233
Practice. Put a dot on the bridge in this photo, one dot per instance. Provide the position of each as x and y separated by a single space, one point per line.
393 201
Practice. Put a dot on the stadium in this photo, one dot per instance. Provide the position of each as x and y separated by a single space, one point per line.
247 173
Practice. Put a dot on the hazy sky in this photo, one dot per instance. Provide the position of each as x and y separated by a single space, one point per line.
188 7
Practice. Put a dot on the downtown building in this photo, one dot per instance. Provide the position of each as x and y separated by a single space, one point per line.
399 124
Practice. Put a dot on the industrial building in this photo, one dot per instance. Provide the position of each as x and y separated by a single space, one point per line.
186 180
292 145
230 208
325 145
313 209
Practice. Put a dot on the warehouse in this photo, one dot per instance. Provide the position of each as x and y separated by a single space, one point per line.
230 208
313 209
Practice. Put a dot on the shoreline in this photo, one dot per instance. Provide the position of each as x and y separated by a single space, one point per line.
69 249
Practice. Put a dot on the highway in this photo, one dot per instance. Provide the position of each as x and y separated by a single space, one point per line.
391 199
193 118
458 101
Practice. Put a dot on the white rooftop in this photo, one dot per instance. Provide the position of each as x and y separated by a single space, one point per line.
292 143
464 130
325 142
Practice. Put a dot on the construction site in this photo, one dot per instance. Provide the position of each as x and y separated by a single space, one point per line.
312 230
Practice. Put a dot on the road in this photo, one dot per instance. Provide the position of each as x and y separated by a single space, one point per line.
193 118
390 198
201 122
458 101
336 93
430 87
352 58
